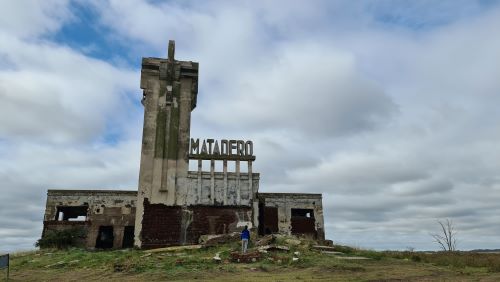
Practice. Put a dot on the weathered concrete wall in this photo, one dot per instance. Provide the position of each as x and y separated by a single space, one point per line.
105 208
220 188
170 90
165 225
285 202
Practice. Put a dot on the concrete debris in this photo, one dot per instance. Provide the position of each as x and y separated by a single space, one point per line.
274 248
175 249
217 258
212 240
295 259
265 240
294 242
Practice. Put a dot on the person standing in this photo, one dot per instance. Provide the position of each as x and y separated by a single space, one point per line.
245 236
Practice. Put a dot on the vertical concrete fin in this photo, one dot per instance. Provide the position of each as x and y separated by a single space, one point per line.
171 50
224 200
212 182
238 187
198 201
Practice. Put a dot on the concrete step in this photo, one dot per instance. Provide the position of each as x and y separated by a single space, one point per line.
323 248
332 253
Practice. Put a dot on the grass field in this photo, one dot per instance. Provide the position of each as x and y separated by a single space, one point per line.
198 265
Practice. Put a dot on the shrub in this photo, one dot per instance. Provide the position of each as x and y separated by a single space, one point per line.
61 239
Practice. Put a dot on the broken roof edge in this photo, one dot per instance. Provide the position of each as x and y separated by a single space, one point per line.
315 195
89 192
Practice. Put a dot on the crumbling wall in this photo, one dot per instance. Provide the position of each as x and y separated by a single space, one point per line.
164 225
103 208
298 213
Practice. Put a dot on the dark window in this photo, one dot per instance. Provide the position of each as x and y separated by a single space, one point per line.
303 213
75 213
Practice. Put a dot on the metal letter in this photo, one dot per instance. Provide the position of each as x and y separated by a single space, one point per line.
204 148
195 146
240 145
216 148
232 146
210 141
224 147
249 148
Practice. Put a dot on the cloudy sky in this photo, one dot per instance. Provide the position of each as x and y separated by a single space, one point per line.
388 108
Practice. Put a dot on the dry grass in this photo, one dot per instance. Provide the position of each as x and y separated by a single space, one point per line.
197 265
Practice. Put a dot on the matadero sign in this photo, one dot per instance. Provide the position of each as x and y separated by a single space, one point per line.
211 149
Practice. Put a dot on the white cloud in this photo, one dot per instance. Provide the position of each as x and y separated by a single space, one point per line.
52 93
28 18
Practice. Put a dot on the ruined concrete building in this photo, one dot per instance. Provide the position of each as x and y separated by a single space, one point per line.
174 205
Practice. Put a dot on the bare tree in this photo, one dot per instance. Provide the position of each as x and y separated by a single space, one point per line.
447 238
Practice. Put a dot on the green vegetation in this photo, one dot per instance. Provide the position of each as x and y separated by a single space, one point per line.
135 265
62 239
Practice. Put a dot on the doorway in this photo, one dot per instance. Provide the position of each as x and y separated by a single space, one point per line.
303 222
128 237
105 237
268 221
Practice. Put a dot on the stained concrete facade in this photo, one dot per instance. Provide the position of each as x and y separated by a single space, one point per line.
292 213
89 210
173 205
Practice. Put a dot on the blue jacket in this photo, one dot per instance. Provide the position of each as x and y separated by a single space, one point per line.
245 234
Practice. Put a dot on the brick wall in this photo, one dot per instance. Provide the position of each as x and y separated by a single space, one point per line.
174 225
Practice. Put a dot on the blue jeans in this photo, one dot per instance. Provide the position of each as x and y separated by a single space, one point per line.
244 245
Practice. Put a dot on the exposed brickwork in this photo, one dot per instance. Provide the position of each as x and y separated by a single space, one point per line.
163 225
304 225
216 220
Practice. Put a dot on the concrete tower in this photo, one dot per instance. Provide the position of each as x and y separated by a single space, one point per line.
170 91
